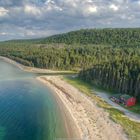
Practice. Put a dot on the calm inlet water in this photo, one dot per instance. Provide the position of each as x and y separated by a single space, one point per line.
28 110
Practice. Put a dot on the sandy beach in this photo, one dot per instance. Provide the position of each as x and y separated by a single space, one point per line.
92 122
86 120
33 69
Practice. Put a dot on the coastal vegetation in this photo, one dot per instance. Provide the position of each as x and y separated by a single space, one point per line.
105 57
131 127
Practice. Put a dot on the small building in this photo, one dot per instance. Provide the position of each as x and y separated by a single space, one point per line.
124 99
128 100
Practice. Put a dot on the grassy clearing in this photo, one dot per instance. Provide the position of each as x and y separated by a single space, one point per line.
135 108
131 128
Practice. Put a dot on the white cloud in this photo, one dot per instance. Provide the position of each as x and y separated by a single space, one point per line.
114 7
90 1
49 2
36 18
92 9
30 9
3 33
3 12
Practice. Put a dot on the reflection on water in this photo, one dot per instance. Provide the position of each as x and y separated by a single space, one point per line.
11 72
28 110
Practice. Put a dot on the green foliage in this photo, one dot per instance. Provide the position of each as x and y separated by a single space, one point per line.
120 73
131 127
107 57
115 37
119 37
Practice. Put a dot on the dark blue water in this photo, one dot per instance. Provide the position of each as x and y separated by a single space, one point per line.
28 110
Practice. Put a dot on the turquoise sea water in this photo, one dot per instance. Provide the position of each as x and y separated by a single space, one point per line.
28 110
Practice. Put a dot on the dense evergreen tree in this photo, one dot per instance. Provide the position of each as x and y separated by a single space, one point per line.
106 57
116 37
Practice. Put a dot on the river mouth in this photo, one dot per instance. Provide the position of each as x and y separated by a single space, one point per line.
28 109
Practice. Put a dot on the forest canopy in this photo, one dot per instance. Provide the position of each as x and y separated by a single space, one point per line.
106 57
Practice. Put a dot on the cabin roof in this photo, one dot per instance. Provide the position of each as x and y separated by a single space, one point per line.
126 97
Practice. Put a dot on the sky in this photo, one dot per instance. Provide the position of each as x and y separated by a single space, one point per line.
41 18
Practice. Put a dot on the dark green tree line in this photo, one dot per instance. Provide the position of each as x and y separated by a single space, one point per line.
106 57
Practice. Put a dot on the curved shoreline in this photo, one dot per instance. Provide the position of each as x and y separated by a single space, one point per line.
70 126
91 122
33 69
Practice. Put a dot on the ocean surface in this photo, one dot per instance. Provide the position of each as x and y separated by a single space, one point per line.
28 109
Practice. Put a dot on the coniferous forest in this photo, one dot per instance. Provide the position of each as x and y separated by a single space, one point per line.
109 58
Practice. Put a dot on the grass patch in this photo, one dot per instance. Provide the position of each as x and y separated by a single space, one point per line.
111 92
131 128
135 109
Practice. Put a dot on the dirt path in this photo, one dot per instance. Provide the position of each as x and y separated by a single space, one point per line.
129 114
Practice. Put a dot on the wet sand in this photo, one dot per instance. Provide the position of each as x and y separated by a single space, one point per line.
91 122
83 118
70 126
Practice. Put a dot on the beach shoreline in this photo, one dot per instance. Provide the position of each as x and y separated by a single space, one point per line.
34 69
69 123
91 121
71 129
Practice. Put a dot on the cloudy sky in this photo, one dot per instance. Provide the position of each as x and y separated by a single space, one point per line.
41 18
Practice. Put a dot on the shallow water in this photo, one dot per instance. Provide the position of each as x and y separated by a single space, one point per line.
28 110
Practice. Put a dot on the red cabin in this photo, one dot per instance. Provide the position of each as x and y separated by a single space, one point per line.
129 101
124 99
